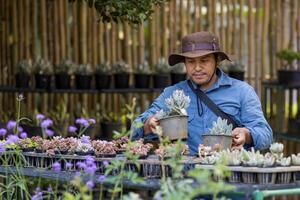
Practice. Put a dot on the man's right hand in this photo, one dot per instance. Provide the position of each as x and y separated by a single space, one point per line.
150 124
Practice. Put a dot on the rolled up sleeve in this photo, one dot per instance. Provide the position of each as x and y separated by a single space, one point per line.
253 119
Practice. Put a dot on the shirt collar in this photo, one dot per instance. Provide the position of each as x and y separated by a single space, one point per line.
223 80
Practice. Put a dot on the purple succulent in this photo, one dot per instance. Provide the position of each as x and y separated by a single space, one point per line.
72 129
90 185
56 167
46 123
40 117
11 124
101 178
3 131
12 139
49 132
23 135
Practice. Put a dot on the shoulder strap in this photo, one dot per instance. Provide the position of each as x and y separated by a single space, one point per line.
212 106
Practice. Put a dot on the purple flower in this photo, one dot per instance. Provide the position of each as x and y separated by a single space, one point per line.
72 129
11 124
37 196
20 129
37 189
105 163
40 117
49 132
92 121
2 147
85 139
90 169
69 165
23 135
101 178
49 189
3 131
82 122
89 160
81 165
56 167
46 123
12 139
90 185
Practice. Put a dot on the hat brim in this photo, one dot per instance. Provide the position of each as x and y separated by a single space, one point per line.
178 58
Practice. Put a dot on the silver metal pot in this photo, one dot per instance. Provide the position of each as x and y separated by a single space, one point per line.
225 141
174 127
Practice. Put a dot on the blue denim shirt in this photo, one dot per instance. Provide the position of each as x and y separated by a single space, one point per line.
234 97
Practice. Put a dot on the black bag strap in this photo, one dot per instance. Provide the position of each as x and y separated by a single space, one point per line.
211 105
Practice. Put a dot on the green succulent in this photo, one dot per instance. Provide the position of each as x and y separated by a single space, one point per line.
84 69
288 55
24 67
103 68
285 161
121 68
162 67
221 127
143 68
65 67
44 67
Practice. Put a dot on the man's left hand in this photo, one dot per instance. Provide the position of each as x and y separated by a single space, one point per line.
240 136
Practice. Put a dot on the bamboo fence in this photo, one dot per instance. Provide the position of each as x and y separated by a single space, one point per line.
250 30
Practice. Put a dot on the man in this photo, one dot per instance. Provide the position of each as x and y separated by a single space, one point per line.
201 54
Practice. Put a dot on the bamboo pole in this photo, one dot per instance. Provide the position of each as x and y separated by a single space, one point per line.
15 53
197 15
62 28
89 36
265 31
279 29
257 61
222 25
153 59
251 32
34 36
83 31
157 30
242 30
114 36
43 31
134 46
182 19
50 5
141 43
107 42
8 69
56 38
75 33
172 26
27 29
165 34
21 25
95 38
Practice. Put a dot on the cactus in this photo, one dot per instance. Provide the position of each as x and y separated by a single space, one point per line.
221 127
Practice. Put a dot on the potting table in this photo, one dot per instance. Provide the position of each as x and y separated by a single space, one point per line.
243 191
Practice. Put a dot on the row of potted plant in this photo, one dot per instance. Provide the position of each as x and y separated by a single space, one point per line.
103 74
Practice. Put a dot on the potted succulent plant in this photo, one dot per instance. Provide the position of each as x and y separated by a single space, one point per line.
84 146
178 73
284 176
104 148
121 144
83 77
174 122
289 74
27 145
103 75
63 73
121 72
267 177
142 76
220 133
110 122
23 72
161 77
140 149
43 70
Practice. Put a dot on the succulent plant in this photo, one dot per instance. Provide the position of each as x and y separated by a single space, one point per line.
143 68
42 66
162 67
179 68
276 148
84 69
121 68
269 160
288 55
24 67
210 160
84 144
160 114
252 158
27 143
178 103
104 147
232 158
65 67
285 161
296 159
103 68
221 127
139 148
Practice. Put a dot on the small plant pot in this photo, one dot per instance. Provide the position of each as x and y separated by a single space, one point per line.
121 81
43 81
161 80
174 127
284 177
32 130
266 178
102 81
62 81
249 177
142 80
83 82
289 77
236 177
239 75
29 149
39 151
108 128
106 155
225 141
82 153
22 80
60 152
176 78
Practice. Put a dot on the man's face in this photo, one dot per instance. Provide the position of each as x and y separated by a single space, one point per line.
201 69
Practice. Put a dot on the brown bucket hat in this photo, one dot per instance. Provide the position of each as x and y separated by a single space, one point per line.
196 45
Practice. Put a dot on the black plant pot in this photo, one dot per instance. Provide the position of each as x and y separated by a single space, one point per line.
83 82
289 77
239 75
32 130
42 81
176 78
62 81
108 128
121 80
102 81
161 80
142 80
22 80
